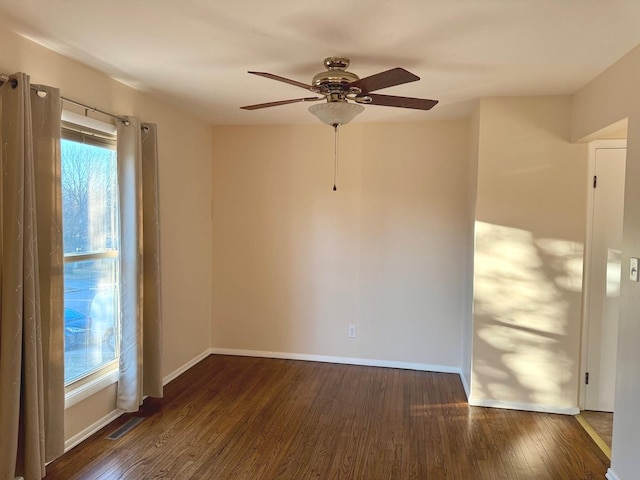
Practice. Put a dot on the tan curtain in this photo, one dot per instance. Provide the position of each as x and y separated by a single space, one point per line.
31 290
141 318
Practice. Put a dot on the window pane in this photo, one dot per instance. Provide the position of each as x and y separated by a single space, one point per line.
90 320
90 236
89 196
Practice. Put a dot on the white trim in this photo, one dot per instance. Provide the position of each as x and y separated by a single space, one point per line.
465 385
91 429
527 407
71 117
83 257
367 362
90 388
180 370
593 146
611 476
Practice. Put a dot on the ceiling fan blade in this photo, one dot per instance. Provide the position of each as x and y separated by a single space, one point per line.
404 102
395 76
281 102
282 79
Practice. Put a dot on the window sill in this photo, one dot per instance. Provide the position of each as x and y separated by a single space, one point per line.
90 388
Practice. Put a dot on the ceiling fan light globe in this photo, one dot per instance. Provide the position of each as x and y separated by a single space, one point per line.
336 113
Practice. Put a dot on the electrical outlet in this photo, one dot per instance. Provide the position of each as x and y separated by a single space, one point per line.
352 332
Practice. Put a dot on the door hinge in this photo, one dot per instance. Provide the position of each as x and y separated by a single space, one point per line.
595 181
586 378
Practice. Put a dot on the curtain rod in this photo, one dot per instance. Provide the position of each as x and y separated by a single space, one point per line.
93 109
6 78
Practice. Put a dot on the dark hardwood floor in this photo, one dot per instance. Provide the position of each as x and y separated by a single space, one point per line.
253 418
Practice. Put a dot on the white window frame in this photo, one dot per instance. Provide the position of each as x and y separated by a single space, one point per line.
106 375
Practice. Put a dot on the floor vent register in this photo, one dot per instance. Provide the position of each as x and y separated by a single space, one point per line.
125 428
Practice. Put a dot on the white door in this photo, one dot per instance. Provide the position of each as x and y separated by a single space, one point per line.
604 277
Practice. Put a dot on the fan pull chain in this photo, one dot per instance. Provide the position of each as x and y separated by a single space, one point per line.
335 156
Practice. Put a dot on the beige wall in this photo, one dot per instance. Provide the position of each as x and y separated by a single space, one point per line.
611 97
185 199
530 226
295 263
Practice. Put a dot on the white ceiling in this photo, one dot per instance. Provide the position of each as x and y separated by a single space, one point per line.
197 52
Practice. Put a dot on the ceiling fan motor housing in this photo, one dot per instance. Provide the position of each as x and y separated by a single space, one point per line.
333 81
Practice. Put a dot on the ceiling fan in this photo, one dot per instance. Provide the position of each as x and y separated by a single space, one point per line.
345 91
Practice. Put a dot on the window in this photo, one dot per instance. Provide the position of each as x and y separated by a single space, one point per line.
91 243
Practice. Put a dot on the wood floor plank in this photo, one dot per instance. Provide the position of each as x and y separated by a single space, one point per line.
247 418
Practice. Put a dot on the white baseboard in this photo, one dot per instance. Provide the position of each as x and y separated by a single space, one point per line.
180 370
366 362
529 407
91 429
465 385
610 475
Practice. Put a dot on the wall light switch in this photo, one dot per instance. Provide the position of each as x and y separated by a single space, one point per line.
633 270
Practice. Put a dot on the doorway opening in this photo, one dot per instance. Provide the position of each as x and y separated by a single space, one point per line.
602 276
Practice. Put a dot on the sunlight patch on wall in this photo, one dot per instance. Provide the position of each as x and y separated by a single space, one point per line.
525 289
520 280
566 258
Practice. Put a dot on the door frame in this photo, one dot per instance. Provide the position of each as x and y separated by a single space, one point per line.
586 273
